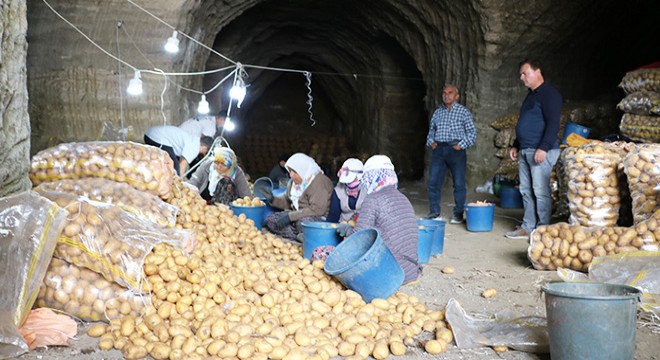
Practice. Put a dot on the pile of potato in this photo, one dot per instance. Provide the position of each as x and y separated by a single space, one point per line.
248 202
146 168
86 294
574 246
143 204
108 240
642 166
243 294
593 183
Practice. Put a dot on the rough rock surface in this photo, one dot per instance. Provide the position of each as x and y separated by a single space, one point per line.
377 66
14 120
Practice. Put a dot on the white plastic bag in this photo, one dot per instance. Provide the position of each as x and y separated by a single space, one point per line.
29 228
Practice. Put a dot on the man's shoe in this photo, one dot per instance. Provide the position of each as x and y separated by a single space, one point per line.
432 215
456 219
519 233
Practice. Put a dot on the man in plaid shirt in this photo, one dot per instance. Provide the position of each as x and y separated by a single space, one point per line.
451 132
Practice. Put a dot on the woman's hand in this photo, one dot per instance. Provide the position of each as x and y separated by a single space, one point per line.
343 228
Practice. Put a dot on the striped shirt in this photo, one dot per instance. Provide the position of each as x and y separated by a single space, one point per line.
389 211
453 125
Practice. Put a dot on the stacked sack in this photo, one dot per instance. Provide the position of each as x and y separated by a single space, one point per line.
110 191
641 105
596 191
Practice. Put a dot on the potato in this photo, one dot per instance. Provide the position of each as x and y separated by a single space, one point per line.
96 330
500 349
435 346
160 351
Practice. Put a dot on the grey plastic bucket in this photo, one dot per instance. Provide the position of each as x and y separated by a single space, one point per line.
591 320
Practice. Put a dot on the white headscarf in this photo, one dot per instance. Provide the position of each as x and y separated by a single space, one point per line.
307 168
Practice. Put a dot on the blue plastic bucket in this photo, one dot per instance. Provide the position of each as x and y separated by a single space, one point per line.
318 234
255 213
510 198
364 264
438 239
425 238
572 128
591 320
479 218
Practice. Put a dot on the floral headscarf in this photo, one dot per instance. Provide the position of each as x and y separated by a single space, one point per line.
307 168
227 157
378 173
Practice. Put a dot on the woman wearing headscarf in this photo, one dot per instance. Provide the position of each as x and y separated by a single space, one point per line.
385 208
220 179
347 197
307 198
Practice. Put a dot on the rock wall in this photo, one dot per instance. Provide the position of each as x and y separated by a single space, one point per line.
14 120
378 66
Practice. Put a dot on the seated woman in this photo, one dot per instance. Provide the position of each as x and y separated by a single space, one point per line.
220 179
307 198
385 208
347 197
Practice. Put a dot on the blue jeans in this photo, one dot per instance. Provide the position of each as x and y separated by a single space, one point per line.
535 187
446 158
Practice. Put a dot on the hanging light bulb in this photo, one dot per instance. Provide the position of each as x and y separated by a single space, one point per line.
203 107
229 126
135 85
237 92
172 44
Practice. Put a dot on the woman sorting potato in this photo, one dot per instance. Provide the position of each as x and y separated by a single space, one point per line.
385 208
307 198
220 179
347 197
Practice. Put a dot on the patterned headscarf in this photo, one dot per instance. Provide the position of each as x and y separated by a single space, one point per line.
227 157
378 173
307 168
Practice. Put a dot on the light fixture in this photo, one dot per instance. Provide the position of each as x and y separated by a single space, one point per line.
203 107
229 126
237 92
172 44
135 85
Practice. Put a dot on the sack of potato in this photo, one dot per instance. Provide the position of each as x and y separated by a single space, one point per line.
86 294
507 167
644 128
146 168
140 203
504 122
593 183
641 103
505 137
642 167
106 239
574 246
639 80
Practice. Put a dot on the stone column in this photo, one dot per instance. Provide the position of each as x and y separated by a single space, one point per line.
14 118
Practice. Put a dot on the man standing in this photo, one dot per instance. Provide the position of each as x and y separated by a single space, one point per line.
451 132
536 147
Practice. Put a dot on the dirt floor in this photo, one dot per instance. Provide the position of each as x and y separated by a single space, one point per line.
482 260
